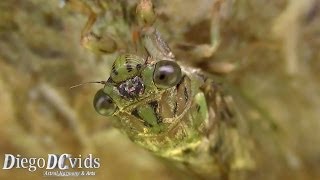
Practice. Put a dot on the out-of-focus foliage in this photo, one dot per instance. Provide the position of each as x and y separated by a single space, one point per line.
274 46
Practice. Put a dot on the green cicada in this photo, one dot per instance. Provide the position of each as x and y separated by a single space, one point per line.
175 111
248 129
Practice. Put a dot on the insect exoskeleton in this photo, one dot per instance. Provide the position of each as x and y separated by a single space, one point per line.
157 103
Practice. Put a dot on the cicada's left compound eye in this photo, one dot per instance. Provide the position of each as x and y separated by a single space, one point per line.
166 74
103 103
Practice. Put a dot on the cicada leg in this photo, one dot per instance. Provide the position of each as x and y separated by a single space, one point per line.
152 41
220 9
102 43
202 51
226 132
202 54
222 104
157 48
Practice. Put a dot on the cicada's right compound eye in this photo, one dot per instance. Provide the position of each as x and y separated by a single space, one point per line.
167 74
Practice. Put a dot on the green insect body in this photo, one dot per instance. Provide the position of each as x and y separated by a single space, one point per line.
175 111
159 119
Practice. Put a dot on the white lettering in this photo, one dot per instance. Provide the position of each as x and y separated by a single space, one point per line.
9 158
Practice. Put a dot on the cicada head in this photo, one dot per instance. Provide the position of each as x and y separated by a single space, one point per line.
135 88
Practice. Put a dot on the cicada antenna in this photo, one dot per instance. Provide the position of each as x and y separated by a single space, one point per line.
90 82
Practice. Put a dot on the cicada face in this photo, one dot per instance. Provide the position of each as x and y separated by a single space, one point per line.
151 101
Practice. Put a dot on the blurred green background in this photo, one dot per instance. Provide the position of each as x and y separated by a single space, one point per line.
272 45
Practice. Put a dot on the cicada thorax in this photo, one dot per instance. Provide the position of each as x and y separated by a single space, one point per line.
172 121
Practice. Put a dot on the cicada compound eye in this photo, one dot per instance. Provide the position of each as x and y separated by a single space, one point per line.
103 103
167 74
